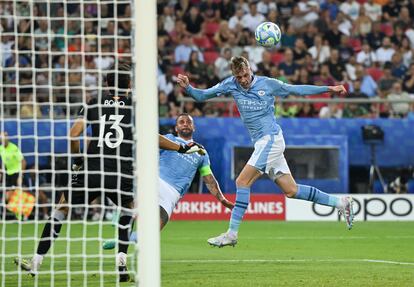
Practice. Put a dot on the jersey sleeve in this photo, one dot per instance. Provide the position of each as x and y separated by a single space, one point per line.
280 89
204 94
19 155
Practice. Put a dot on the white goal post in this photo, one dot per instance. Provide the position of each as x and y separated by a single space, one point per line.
54 56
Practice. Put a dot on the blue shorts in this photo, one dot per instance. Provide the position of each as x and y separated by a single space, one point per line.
268 156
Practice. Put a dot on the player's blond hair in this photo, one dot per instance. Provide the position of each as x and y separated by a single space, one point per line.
238 63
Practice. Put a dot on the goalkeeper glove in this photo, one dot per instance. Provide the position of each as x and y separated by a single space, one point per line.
77 163
192 147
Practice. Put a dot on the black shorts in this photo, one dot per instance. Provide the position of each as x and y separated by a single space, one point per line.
118 188
11 180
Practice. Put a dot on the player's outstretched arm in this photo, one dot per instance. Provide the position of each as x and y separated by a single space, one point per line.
283 90
192 147
200 95
215 190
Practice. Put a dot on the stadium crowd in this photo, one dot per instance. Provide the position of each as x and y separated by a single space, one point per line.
367 45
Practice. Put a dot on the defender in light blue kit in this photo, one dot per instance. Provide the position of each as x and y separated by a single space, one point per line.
177 171
255 99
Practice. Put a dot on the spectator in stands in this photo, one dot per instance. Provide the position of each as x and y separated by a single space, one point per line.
305 110
222 36
332 110
350 68
376 36
210 11
299 52
191 109
43 35
297 21
193 20
264 67
390 11
345 51
168 18
385 52
406 51
252 19
289 68
397 36
351 9
289 37
325 77
408 82
165 81
303 78
368 85
163 105
255 53
29 108
265 6
336 67
333 35
227 9
398 67
197 70
366 56
236 21
353 110
344 24
387 80
182 52
363 24
404 18
373 10
221 65
320 51
285 10
399 110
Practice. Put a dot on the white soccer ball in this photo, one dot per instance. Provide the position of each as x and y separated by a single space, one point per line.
268 34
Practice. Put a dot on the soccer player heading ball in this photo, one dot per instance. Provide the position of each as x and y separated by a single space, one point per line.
255 99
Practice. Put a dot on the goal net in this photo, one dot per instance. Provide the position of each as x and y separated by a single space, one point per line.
54 58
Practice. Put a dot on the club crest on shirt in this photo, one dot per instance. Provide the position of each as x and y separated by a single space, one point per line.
261 93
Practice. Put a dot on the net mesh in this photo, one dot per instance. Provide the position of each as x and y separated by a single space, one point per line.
54 55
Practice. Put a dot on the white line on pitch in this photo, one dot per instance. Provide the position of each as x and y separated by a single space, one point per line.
286 261
310 237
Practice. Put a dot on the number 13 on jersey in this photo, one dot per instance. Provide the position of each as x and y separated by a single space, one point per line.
107 137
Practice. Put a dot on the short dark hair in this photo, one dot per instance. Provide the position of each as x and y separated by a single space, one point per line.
182 115
123 72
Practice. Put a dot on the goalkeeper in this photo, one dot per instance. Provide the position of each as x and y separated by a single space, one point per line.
108 170
177 172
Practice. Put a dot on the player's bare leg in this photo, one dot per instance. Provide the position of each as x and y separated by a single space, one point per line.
292 190
244 181
49 234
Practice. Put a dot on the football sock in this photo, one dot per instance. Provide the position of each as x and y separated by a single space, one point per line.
242 201
313 194
124 230
50 232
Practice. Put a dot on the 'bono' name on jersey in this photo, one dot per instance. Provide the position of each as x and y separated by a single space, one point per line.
111 139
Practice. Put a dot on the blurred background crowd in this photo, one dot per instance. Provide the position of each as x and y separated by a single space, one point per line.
366 45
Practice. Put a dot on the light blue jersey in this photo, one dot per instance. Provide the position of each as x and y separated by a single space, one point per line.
256 105
178 169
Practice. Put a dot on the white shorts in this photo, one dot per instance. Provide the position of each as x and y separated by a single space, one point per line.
268 156
168 196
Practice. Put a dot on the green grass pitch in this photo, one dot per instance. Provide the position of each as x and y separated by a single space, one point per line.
268 254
